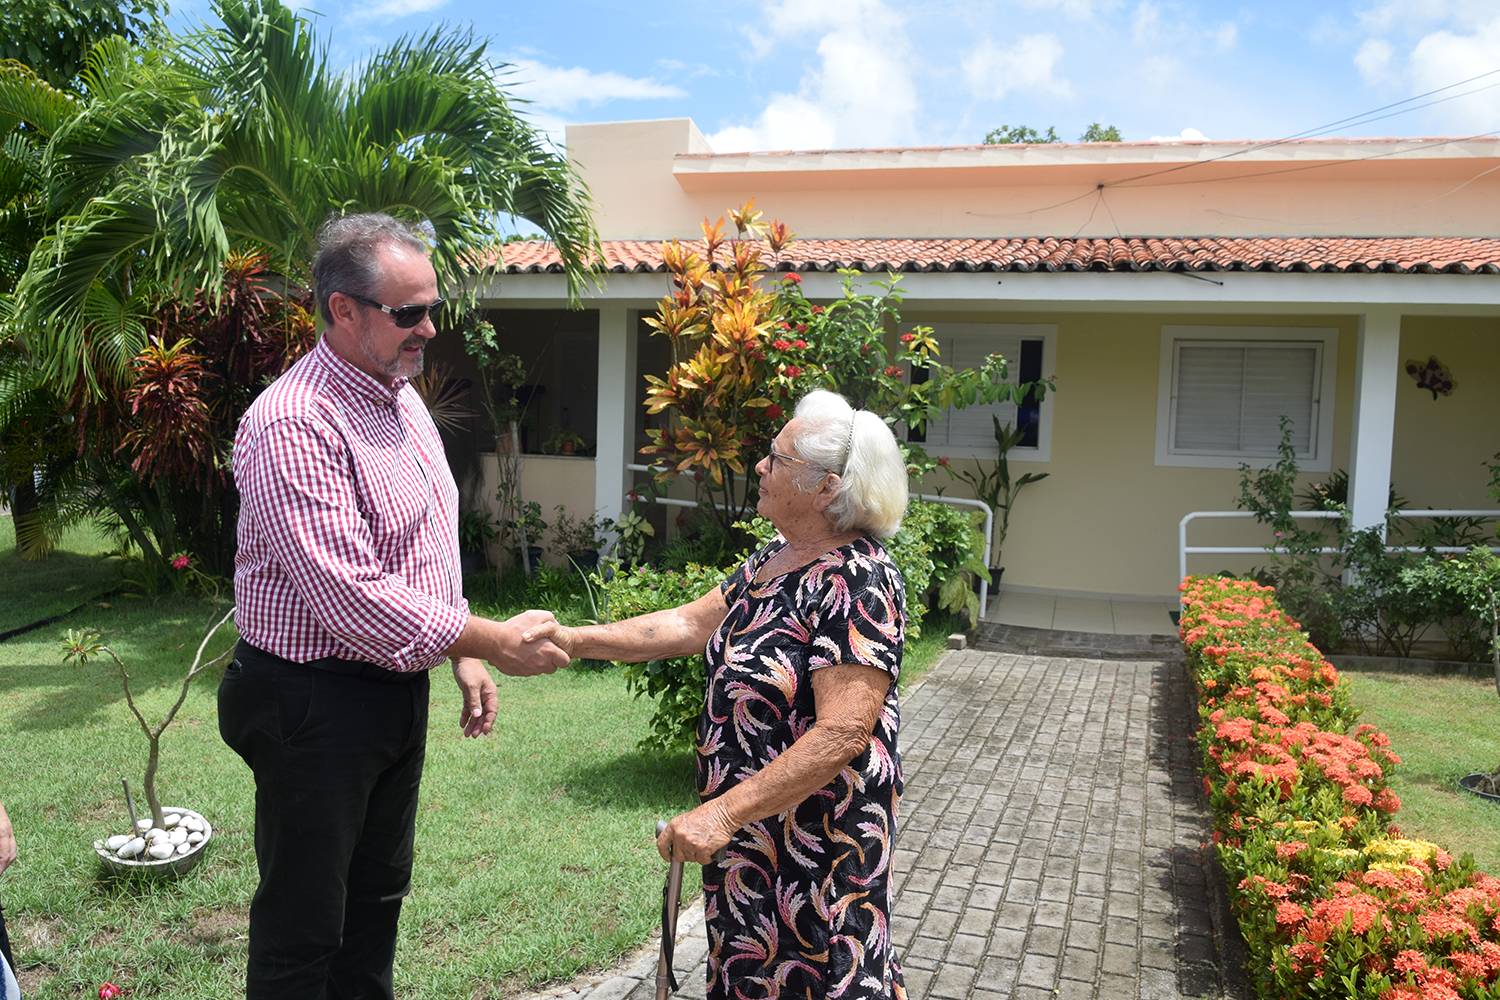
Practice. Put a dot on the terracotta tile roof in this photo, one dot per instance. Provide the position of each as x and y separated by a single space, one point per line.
1325 255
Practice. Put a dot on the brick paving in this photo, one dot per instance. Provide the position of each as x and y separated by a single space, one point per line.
1050 842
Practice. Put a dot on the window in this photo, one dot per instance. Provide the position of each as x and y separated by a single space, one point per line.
970 432
1224 390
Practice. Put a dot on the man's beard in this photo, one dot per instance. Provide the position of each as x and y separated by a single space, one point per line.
399 366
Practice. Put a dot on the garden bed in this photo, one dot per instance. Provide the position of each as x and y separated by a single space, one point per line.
1331 899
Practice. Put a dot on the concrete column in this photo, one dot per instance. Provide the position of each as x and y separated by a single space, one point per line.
617 405
1377 367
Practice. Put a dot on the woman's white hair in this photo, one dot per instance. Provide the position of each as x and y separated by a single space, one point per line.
857 446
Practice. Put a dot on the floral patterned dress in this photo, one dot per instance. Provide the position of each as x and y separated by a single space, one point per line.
801 905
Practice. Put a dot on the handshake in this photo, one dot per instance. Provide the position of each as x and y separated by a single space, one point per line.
528 644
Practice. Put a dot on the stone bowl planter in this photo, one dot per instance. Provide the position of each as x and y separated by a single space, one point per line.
1470 783
180 862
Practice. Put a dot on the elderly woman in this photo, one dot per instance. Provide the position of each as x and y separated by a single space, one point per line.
797 762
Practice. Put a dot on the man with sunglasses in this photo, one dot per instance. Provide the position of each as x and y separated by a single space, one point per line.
347 592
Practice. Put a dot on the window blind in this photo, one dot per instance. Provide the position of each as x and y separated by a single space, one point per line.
1229 396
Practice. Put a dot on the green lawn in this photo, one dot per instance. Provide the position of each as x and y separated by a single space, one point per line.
1442 728
535 851
76 573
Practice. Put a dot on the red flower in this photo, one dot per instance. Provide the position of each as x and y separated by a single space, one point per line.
800 344
781 345
774 411
108 991
865 348
793 277
801 327
893 371
180 561
944 461
791 371
817 309
907 338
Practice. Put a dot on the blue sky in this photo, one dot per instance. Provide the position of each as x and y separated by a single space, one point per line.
817 74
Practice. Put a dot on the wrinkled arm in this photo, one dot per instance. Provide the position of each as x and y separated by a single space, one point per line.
848 699
679 631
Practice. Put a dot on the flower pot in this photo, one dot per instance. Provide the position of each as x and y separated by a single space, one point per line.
171 867
583 562
568 447
1470 784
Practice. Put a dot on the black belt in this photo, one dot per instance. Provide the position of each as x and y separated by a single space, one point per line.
333 665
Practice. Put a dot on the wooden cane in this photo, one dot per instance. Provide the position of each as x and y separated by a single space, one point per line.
666 978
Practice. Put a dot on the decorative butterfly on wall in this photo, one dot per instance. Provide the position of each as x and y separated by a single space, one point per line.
1432 376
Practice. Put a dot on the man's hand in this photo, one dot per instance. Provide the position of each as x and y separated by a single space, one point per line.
521 658
481 697
7 840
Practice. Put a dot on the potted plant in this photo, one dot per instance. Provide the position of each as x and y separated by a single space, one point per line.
580 537
996 488
565 442
528 529
171 840
475 533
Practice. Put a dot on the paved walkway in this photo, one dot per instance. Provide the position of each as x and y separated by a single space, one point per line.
1051 837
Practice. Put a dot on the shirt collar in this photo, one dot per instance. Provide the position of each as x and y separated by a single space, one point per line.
360 383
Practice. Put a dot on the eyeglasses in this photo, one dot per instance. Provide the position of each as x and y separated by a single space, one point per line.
774 455
405 317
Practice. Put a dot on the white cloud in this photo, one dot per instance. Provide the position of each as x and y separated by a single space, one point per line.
861 93
1226 36
390 10
1186 135
563 89
1146 24
1443 58
1073 10
1374 60
1029 65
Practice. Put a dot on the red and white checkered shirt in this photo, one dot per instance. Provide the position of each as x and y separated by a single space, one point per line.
348 530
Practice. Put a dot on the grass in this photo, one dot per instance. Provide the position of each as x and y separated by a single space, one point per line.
1442 728
76 573
535 859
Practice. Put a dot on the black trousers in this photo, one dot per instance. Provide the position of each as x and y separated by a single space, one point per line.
337 758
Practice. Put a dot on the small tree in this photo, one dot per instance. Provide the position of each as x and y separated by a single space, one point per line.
1020 135
85 645
1100 133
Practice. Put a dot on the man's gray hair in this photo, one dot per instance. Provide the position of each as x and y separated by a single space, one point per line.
347 245
859 448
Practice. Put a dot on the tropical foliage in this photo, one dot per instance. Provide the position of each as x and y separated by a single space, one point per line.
746 346
163 273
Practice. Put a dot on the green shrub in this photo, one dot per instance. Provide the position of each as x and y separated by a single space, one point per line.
676 683
1332 900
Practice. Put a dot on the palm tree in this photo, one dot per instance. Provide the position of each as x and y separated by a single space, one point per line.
242 136
236 143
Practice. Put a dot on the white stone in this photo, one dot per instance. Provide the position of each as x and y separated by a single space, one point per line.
177 836
116 842
170 820
195 837
143 824
184 847
160 851
132 847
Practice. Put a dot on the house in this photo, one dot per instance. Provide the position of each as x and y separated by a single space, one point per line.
1184 295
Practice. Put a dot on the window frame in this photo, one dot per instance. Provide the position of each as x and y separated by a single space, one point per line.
1047 334
1325 382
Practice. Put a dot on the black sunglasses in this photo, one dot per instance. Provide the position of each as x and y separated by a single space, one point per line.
405 317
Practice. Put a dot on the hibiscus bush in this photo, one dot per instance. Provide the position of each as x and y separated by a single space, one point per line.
1332 901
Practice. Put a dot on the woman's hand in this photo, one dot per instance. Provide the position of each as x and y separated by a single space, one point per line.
565 638
696 836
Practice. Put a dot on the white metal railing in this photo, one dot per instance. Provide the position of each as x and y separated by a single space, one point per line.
1184 549
989 521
